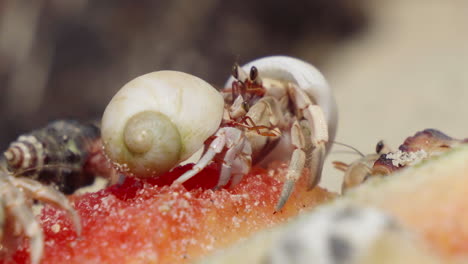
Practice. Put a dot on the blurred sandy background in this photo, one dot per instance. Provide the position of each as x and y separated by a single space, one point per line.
396 66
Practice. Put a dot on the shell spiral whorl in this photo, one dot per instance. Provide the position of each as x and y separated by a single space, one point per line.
158 120
153 137
25 153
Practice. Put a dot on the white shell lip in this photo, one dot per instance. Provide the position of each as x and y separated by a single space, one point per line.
306 76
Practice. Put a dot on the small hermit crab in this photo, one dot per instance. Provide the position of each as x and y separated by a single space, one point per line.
360 170
422 146
62 154
282 109
277 108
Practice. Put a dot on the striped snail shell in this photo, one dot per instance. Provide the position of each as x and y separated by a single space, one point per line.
158 120
26 152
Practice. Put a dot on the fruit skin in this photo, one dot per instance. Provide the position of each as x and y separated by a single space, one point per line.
145 220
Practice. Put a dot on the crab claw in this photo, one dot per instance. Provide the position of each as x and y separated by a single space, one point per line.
309 139
231 146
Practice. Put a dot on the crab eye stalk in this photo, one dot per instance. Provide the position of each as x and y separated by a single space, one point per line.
235 71
245 106
253 73
380 145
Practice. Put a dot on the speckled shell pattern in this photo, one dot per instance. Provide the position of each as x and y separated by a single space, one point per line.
55 154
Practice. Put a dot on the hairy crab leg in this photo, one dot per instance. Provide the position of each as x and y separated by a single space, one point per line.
234 145
319 132
17 207
48 194
296 165
319 138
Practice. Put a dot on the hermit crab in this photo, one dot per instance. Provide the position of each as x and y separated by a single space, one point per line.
43 165
359 170
274 108
282 109
422 146
61 153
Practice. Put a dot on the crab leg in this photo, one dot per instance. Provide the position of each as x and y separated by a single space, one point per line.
237 162
296 165
341 166
16 206
49 195
318 127
319 138
226 137
235 145
215 147
241 165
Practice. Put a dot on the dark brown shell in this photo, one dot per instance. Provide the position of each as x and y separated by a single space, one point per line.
431 141
56 154
427 143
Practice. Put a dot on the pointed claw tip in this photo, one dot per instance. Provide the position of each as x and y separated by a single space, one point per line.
77 225
285 194
179 181
279 206
36 248
316 167
175 183
315 178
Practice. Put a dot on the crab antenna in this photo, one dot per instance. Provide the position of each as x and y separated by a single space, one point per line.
44 166
350 147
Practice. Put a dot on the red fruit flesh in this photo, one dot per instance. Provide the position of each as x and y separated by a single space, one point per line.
147 221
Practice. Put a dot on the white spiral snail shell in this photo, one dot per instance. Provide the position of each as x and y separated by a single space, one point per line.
158 120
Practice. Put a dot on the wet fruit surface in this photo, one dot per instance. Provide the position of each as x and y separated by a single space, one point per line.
149 221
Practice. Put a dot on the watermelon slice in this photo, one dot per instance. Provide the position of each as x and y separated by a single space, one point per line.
147 221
